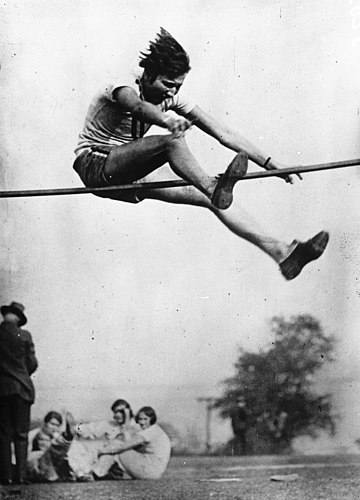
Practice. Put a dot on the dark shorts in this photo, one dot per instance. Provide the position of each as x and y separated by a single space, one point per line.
90 164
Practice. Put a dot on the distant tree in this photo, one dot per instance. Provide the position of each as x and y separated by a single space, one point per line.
278 384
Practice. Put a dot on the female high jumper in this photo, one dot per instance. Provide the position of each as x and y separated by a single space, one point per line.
112 150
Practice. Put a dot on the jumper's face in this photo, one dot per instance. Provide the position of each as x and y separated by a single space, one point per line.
52 427
163 87
119 414
143 420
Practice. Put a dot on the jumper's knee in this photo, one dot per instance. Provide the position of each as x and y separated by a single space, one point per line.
175 143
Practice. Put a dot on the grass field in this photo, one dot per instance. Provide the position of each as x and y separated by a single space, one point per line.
245 478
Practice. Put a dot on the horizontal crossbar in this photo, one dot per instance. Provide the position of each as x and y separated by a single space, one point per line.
175 183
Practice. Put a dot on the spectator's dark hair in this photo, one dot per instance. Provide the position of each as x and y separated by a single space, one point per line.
122 402
165 56
149 412
53 414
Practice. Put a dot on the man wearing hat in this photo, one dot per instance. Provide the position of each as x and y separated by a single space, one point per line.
17 363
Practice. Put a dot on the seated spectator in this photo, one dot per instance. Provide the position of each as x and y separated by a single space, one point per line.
50 427
48 463
144 455
83 456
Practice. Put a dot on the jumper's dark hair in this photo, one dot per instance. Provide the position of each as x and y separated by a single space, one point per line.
53 415
165 56
149 412
122 402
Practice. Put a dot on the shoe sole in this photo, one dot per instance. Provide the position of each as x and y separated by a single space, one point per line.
223 194
318 244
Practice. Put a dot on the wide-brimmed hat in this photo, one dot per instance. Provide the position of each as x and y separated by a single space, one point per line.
15 308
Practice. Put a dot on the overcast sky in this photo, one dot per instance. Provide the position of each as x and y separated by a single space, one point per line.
122 297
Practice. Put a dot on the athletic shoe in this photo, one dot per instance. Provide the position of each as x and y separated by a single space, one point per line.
222 196
302 254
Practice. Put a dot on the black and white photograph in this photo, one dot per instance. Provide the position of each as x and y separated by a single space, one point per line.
179 254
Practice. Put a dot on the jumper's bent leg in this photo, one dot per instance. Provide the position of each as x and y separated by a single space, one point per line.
139 158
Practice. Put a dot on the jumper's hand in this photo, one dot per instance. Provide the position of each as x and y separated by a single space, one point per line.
177 125
277 166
